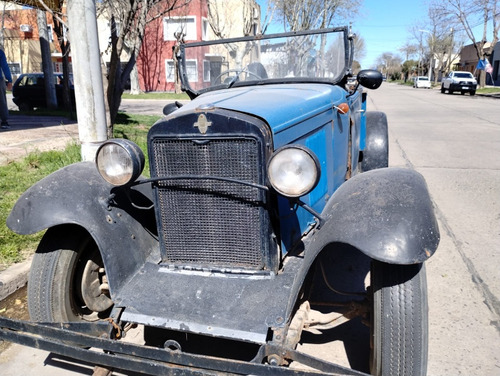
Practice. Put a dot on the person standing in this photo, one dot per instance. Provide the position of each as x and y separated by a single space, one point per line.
5 84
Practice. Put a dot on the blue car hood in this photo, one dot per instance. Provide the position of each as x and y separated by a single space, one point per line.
281 106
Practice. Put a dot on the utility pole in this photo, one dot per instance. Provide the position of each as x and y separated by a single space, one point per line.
87 75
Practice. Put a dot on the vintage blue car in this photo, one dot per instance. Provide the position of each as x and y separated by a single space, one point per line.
275 165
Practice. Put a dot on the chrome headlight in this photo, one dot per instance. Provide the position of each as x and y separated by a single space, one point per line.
293 171
119 161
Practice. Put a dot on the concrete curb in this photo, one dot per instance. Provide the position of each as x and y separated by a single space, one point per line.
14 278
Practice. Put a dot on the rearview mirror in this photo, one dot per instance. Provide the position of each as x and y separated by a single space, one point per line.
171 107
369 78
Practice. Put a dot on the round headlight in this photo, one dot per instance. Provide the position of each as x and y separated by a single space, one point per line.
293 171
119 161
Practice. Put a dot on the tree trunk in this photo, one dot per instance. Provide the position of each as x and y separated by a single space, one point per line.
66 94
48 70
135 88
482 78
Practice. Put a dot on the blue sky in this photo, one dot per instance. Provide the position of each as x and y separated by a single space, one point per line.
383 24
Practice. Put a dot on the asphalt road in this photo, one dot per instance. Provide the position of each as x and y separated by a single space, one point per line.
454 142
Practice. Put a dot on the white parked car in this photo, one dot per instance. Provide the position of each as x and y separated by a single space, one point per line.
421 81
459 81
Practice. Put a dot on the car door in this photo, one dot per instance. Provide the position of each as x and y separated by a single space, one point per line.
447 80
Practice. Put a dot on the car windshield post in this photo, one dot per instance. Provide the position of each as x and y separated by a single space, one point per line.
303 56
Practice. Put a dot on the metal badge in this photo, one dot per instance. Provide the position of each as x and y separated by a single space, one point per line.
202 124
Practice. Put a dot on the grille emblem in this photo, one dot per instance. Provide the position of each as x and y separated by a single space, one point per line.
202 124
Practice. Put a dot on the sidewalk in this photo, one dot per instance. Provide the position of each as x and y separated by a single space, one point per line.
31 133
28 134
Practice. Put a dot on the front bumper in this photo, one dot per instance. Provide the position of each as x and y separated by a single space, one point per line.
463 87
114 354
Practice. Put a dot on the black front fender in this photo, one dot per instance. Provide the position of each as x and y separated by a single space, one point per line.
77 195
385 213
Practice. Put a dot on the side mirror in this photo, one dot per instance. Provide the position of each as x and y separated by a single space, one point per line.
369 78
171 107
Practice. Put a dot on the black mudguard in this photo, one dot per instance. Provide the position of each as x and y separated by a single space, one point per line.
77 195
385 213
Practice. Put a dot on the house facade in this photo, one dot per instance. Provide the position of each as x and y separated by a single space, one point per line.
200 20
494 77
21 42
468 57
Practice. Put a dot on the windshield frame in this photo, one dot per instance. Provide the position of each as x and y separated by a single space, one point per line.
183 76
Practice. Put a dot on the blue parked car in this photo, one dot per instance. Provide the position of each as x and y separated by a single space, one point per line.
274 163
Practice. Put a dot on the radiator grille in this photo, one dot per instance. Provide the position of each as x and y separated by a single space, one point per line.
208 222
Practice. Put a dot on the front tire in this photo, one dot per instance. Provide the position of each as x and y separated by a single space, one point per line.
25 106
376 152
67 278
399 330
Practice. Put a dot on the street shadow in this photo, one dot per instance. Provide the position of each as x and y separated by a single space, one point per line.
346 270
79 367
20 122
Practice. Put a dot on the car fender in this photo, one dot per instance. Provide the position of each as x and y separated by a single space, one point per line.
78 195
385 213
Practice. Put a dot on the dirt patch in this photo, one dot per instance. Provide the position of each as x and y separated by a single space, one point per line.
14 307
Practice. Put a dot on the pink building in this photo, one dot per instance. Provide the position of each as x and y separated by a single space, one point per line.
155 62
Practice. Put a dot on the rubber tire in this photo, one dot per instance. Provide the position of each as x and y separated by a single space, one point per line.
442 89
472 93
25 106
53 290
376 152
399 320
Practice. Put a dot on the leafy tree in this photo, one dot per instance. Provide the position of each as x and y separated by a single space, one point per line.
313 14
128 20
359 48
389 64
60 28
466 15
409 67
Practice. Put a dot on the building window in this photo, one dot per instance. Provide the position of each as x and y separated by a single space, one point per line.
50 31
206 71
117 28
204 29
170 70
191 70
174 25
15 68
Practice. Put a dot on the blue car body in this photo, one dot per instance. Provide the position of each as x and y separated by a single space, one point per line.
301 114
214 244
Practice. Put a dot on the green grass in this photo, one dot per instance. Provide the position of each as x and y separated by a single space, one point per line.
18 176
408 82
167 96
488 90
